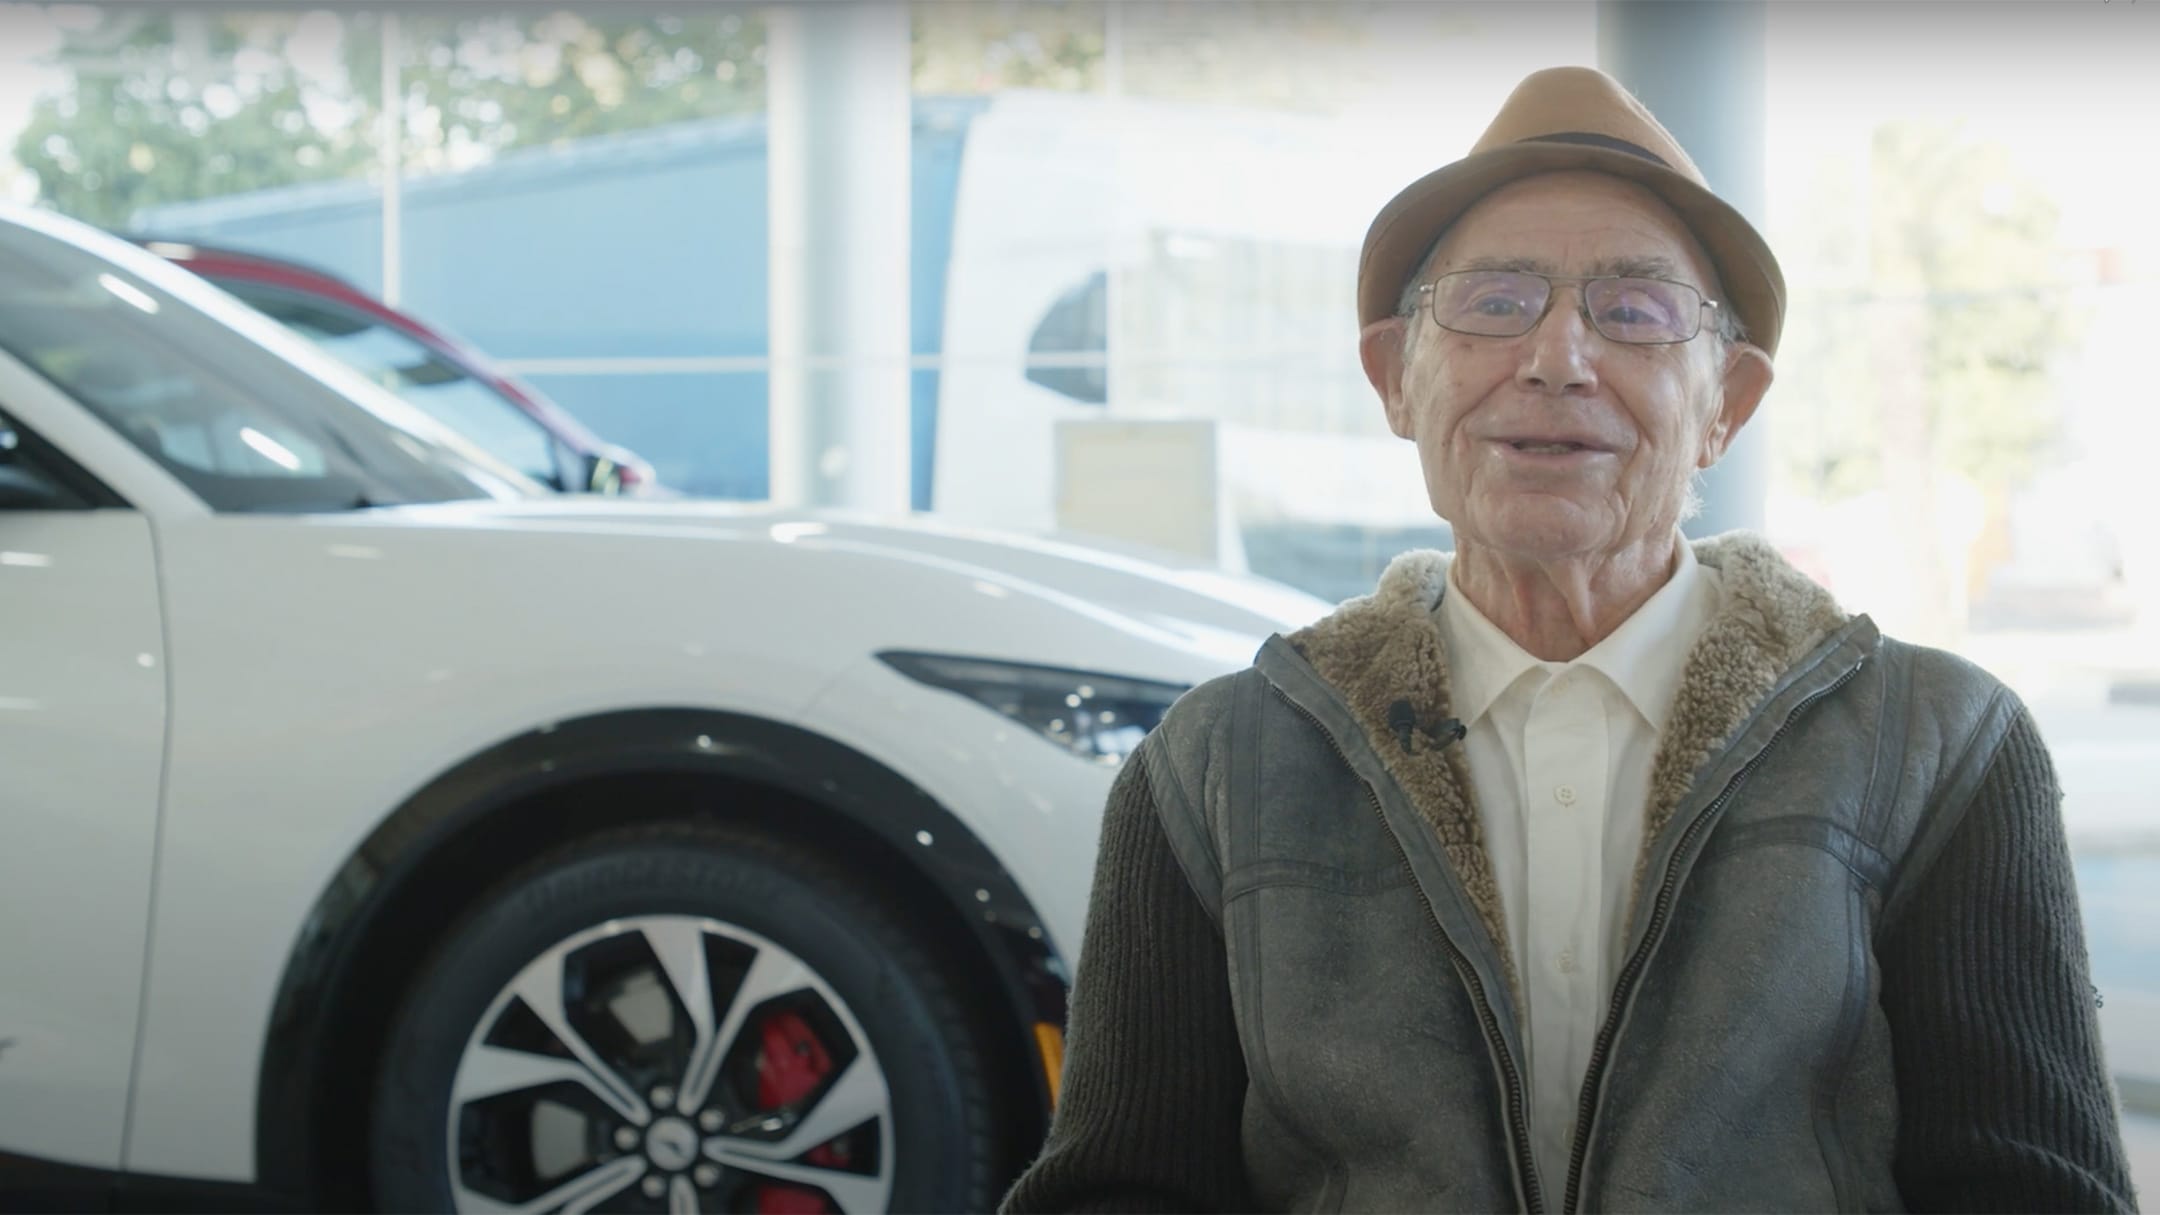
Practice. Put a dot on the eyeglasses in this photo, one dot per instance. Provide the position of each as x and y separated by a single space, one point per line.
1622 308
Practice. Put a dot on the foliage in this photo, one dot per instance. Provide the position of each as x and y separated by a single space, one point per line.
151 118
475 87
960 46
174 105
1930 333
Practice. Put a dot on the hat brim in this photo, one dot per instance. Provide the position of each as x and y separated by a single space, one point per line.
1407 226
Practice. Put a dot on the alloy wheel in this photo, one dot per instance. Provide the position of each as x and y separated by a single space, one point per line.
669 1063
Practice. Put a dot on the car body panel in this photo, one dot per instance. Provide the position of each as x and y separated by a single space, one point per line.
82 735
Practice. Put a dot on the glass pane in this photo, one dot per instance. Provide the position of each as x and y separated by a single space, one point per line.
175 368
704 434
964 47
146 118
1975 281
477 88
421 375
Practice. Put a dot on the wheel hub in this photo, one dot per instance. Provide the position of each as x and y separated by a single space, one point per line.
672 1144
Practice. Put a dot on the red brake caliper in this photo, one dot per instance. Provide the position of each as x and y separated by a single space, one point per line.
790 1066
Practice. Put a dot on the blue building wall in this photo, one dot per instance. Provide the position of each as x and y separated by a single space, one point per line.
645 245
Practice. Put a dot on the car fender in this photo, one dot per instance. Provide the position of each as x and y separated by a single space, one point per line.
330 955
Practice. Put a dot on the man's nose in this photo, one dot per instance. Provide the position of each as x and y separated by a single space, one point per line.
1557 356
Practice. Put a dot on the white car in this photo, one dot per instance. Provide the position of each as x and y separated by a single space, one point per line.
383 830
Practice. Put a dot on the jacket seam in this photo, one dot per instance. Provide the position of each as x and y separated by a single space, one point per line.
1940 821
1834 1079
1876 818
1273 874
1855 855
1203 872
1831 1077
1246 757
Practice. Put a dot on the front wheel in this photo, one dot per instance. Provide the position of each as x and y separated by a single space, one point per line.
683 1019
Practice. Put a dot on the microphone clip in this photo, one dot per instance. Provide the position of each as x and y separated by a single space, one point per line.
1404 722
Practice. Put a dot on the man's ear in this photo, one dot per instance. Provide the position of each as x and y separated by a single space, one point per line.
1381 348
1747 378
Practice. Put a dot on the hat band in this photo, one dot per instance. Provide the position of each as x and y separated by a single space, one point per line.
1594 140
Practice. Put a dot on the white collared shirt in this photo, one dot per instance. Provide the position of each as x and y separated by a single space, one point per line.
1559 756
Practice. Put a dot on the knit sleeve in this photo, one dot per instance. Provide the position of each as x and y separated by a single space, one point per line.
2004 1098
1154 1083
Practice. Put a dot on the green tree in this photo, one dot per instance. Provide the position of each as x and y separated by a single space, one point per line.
169 106
155 114
961 47
1931 336
475 87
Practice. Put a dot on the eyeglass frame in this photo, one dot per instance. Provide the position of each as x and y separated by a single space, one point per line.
1582 303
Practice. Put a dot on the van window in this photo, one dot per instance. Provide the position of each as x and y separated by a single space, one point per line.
1077 324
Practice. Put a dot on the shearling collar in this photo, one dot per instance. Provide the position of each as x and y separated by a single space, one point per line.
1383 655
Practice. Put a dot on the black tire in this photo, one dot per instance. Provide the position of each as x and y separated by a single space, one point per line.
942 1106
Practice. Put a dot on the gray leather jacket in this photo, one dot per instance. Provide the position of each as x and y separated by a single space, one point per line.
1322 816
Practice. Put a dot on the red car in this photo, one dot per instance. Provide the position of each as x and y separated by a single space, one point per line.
449 380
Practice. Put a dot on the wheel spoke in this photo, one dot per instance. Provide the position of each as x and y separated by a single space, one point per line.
856 1097
541 988
855 1193
574 1197
682 1198
488 1071
680 946
771 974
608 1181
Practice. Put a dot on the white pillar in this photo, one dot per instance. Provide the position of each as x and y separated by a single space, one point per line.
839 118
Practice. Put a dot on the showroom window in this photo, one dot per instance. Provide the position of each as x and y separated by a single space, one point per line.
425 379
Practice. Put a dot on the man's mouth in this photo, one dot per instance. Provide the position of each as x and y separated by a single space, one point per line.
1549 446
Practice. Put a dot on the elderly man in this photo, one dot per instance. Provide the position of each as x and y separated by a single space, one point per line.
1588 869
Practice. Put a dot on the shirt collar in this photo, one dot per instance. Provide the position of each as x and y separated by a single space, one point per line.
1644 657
1483 661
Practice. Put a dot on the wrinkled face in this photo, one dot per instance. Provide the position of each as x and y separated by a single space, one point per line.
1561 442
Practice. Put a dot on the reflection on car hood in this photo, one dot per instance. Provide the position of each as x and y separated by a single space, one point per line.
1223 615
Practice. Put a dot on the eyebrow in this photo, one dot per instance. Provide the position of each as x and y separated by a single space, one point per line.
1637 267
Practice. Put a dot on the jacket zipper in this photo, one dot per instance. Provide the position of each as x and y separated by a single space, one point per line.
1660 910
1517 1102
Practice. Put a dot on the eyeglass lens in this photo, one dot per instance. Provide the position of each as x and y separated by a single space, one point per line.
1509 303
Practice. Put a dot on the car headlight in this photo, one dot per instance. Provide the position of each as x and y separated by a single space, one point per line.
1100 718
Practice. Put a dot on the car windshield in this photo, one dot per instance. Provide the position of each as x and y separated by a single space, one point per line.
247 415
422 376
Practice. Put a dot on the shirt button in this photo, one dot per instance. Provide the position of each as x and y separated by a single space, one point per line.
1564 794
1565 962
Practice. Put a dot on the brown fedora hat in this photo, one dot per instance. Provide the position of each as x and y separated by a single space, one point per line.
1573 118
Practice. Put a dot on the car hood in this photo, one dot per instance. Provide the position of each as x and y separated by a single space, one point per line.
1224 616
